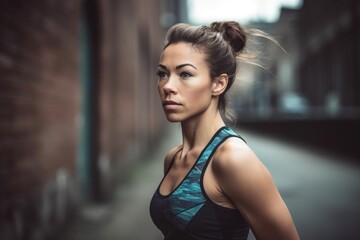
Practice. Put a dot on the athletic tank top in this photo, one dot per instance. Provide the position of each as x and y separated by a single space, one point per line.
187 213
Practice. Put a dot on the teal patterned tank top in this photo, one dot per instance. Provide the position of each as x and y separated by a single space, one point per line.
188 213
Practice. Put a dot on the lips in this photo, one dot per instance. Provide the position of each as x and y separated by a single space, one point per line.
170 105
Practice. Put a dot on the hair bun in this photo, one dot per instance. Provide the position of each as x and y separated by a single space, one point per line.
232 32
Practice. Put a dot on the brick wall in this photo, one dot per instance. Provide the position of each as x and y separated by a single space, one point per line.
42 96
39 101
130 113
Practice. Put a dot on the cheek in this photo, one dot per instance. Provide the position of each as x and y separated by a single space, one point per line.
198 95
159 88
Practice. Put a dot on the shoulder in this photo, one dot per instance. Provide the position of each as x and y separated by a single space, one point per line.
235 162
170 156
243 179
234 152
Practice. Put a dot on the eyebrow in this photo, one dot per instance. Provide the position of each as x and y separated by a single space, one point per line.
179 66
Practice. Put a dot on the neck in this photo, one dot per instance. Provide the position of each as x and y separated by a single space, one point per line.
197 132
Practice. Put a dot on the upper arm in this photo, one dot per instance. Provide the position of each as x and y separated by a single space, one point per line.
169 158
250 187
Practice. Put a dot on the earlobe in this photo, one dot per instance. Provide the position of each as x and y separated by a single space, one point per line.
220 83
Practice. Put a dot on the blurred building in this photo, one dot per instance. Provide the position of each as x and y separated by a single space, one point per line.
78 101
318 75
329 62
310 91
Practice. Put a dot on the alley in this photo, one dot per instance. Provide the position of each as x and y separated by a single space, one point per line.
322 194
79 99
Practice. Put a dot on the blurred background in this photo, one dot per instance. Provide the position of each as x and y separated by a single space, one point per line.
83 135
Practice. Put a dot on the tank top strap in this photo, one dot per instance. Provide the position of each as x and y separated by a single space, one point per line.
219 137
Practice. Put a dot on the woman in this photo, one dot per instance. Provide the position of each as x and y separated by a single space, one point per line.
214 186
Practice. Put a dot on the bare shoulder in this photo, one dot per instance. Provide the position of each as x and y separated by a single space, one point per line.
243 179
234 152
169 157
236 161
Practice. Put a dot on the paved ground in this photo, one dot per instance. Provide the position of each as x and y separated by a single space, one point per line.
322 194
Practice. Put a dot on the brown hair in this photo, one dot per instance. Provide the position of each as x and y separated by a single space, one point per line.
221 43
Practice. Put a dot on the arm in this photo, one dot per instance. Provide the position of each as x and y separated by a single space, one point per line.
249 186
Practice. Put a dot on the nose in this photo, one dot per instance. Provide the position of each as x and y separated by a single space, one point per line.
170 86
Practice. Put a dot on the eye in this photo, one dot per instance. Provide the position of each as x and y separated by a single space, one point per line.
185 75
161 74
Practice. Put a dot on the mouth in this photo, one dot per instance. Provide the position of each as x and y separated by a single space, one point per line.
170 105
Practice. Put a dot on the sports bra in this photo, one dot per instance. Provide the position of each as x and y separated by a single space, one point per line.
187 213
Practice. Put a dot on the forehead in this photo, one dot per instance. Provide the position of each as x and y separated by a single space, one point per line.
180 53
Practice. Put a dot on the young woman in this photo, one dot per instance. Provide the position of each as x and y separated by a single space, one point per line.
214 186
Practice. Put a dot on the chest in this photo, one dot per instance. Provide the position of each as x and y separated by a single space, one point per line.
179 170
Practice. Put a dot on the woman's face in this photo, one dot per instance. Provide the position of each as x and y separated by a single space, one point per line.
184 83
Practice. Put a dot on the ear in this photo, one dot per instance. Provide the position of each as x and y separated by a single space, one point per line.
219 84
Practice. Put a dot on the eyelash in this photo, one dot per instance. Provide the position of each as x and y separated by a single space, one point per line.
188 75
162 74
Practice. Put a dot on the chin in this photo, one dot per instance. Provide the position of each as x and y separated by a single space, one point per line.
173 119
